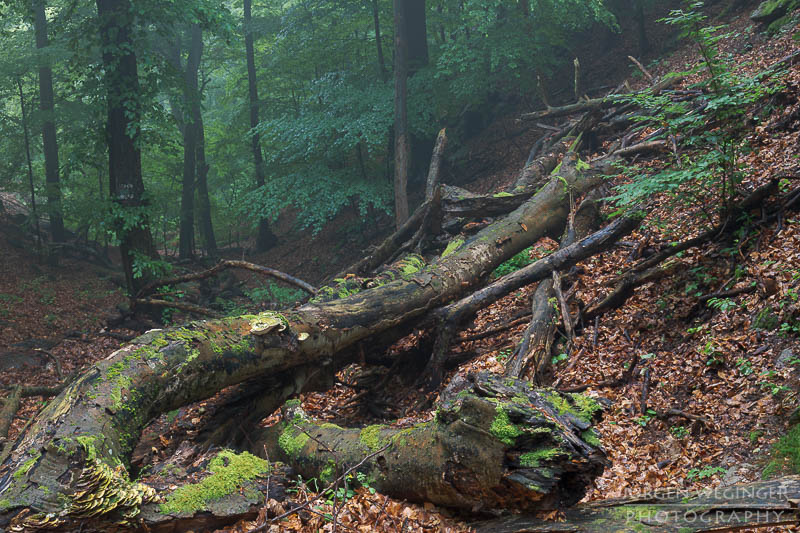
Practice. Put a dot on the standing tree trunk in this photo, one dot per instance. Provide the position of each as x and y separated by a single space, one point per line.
402 148
416 35
378 44
644 43
203 202
30 166
53 189
192 102
265 239
123 127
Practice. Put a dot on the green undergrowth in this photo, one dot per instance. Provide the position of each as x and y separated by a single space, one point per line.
229 471
785 454
520 260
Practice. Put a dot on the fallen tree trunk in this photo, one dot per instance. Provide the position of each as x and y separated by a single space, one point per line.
532 357
495 443
453 315
596 103
75 447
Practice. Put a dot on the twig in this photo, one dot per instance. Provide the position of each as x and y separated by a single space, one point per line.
305 505
645 390
663 415
223 265
494 331
641 67
562 302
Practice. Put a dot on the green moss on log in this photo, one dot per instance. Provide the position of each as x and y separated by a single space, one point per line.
579 405
533 459
26 466
452 246
292 441
370 437
503 429
229 472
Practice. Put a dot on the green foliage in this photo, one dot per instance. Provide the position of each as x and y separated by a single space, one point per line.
645 419
709 158
722 304
785 454
699 474
679 432
519 260
275 295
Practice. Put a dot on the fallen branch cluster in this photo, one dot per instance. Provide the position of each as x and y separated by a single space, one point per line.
497 442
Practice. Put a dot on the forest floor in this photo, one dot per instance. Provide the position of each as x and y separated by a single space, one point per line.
712 362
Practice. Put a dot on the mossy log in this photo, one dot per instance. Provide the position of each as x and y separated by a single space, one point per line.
748 506
84 438
495 443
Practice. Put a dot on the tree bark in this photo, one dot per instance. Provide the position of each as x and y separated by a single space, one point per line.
191 100
123 127
27 139
203 202
265 239
378 43
495 443
532 360
50 144
96 421
402 147
416 34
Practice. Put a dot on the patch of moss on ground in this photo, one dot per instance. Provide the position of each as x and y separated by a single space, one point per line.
503 429
229 472
4 505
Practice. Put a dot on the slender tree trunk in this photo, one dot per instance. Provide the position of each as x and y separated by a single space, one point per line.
124 156
30 166
644 43
378 43
192 104
265 239
203 202
402 148
416 35
46 104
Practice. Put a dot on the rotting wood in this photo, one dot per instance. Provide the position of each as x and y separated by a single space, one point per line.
109 404
495 441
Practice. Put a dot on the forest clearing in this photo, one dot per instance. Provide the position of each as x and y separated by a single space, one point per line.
400 266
